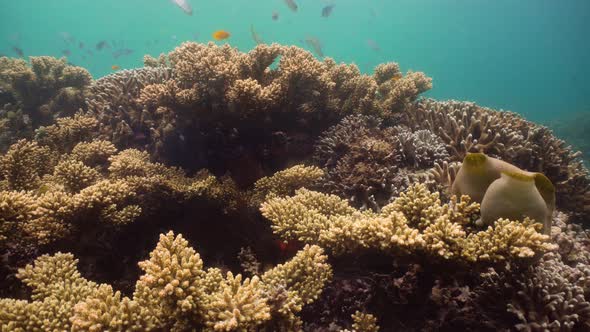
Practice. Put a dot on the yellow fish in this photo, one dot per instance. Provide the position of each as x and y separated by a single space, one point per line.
220 35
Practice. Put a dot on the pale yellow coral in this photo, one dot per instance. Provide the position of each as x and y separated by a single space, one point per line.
107 200
106 310
75 175
24 163
57 286
16 209
171 285
238 305
305 274
173 294
507 239
285 182
93 153
67 132
364 322
415 222
414 203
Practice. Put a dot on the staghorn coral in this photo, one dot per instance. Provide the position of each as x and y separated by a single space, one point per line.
238 305
36 93
175 293
16 208
56 288
415 222
94 153
465 127
67 132
364 322
284 183
23 165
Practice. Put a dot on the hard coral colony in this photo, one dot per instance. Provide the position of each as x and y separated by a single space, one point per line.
403 213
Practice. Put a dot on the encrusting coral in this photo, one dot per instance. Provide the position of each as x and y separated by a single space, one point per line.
415 222
35 93
175 293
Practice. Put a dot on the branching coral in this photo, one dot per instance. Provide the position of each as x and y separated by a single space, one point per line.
369 164
24 164
415 222
211 91
466 127
285 182
38 93
92 187
175 293
551 296
112 101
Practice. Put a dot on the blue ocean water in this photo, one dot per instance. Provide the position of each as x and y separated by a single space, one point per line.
528 56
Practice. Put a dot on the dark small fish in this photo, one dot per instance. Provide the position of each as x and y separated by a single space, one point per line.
67 37
275 16
102 45
14 37
122 52
327 11
18 51
66 52
373 13
255 36
89 52
81 45
315 43
292 5
373 45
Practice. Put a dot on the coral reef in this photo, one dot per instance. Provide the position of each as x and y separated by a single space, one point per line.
53 189
416 222
465 127
369 164
37 92
205 109
175 293
372 226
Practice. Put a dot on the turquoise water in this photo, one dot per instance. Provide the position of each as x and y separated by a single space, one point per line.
528 56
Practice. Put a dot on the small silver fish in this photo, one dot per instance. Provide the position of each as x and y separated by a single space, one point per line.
326 11
184 5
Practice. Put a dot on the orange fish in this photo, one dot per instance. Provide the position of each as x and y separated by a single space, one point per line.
115 67
221 35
